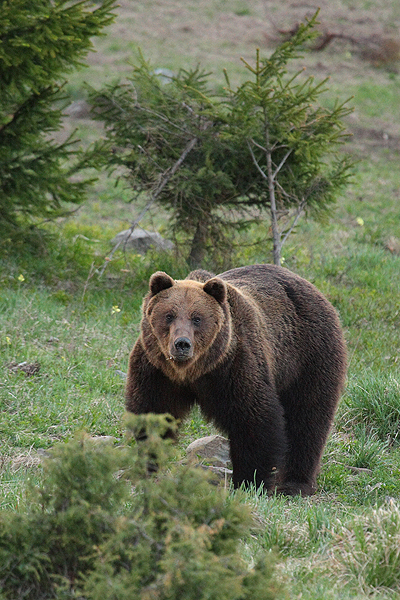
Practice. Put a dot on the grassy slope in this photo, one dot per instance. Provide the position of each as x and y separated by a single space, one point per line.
80 329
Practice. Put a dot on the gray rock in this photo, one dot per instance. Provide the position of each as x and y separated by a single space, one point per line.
102 439
141 240
219 475
121 374
78 110
212 449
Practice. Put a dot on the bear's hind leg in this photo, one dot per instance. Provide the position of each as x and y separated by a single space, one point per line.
309 415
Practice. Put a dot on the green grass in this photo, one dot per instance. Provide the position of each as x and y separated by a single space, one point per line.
62 316
54 310
372 406
374 99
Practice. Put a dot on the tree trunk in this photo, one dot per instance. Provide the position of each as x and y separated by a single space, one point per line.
276 236
198 249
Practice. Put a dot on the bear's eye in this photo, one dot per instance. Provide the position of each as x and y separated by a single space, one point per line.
196 320
169 318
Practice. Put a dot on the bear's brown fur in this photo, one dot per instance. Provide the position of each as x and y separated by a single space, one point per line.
261 351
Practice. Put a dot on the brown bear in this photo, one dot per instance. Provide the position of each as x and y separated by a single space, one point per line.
261 351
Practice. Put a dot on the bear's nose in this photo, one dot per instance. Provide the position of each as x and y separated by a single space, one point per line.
183 344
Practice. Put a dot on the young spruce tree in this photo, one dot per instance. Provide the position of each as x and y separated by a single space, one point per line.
217 163
40 41
293 142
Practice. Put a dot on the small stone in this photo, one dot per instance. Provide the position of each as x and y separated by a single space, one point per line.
121 374
102 439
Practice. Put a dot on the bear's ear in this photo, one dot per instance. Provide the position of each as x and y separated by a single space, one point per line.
216 288
160 281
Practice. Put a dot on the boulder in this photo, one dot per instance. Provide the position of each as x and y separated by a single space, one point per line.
78 110
213 449
141 240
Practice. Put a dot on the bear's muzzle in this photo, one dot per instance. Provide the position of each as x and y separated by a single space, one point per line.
182 349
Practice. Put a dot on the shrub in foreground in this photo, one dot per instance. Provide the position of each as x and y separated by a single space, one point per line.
102 527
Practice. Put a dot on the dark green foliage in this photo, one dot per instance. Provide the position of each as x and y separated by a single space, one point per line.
217 163
40 41
102 527
69 515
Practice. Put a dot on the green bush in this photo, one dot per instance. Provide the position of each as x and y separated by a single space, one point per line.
102 526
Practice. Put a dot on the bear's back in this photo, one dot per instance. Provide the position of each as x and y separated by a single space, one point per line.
284 318
272 286
293 315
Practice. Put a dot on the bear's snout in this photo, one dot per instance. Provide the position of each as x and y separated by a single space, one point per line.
183 344
183 348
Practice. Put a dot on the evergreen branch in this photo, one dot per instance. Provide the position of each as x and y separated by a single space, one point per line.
276 236
114 103
31 103
142 531
248 66
160 116
259 146
290 197
169 173
256 163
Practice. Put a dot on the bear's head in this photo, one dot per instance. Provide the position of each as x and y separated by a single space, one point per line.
185 318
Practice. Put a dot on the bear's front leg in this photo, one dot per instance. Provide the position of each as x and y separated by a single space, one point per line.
148 390
258 448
